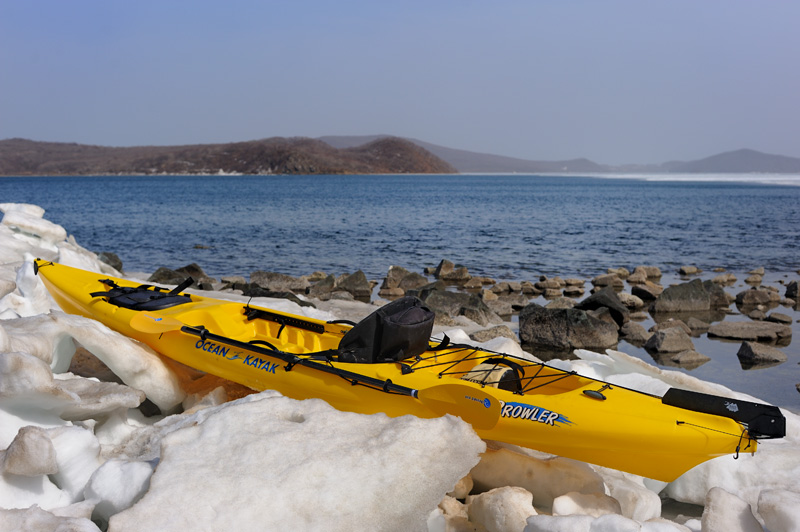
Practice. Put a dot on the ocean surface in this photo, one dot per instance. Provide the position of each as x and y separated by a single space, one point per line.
509 227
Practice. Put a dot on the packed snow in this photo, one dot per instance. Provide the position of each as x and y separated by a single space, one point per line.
85 454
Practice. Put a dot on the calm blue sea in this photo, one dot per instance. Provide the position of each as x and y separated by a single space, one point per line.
506 227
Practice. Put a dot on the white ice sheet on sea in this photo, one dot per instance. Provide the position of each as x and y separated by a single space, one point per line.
88 452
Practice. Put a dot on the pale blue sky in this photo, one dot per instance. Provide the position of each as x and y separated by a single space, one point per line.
615 81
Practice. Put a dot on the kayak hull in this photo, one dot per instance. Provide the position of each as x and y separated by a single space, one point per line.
554 411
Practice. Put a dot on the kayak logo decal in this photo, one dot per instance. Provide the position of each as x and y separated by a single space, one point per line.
214 349
514 410
225 352
485 402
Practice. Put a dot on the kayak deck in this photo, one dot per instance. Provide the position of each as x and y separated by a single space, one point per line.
532 404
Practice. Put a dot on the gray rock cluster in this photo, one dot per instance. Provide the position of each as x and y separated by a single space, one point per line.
599 321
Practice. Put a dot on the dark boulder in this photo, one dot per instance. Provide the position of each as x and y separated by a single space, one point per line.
791 291
564 329
647 290
607 298
684 297
112 259
323 289
755 354
756 296
357 285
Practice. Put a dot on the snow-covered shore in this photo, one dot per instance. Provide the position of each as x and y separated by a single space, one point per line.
77 453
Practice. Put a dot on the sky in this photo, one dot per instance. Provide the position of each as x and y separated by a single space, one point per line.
617 81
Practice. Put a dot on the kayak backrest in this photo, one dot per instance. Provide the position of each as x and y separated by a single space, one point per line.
396 331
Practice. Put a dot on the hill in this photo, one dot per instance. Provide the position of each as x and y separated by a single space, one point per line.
473 162
386 155
738 161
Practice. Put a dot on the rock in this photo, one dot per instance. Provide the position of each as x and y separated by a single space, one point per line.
322 289
315 277
689 270
724 279
778 317
501 308
572 281
606 298
166 276
696 326
651 272
502 288
391 293
555 283
357 285
447 271
254 290
672 340
756 296
488 295
609 279
503 509
574 291
637 278
684 297
755 353
489 334
757 315
231 281
474 283
561 302
622 273
762 331
754 280
278 282
528 288
630 301
112 259
647 291
394 276
564 329
670 324
717 295
688 359
757 271
453 304
551 293
634 334
517 301
791 291
412 281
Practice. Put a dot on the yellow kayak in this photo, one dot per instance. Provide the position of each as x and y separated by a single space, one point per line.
387 363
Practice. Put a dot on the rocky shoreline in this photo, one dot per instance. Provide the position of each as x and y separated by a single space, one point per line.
551 317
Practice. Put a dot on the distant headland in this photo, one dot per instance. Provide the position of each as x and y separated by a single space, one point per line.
375 154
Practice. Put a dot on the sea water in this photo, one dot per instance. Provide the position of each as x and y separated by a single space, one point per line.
509 227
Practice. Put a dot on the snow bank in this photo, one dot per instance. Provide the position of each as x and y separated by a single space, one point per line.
81 454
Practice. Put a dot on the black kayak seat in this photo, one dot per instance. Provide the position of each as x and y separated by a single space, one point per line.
396 331
144 297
